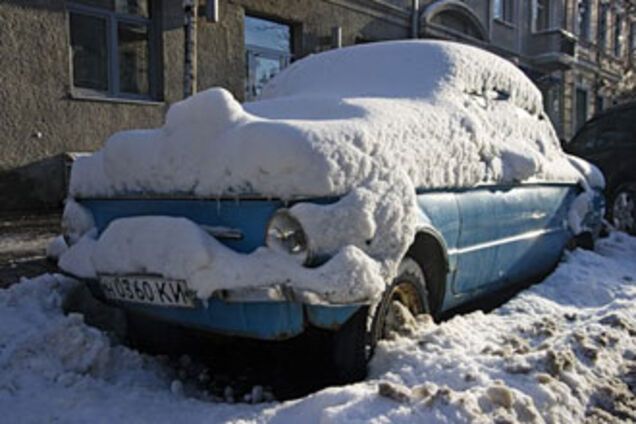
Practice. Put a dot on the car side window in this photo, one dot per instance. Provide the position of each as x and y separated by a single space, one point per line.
586 139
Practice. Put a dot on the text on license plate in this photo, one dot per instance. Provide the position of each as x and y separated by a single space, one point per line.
150 290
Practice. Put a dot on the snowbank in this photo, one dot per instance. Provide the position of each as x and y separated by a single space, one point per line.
562 351
429 114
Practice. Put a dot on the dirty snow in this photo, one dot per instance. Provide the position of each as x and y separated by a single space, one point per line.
429 114
561 351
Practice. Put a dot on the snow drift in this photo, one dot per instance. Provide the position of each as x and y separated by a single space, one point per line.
562 351
371 123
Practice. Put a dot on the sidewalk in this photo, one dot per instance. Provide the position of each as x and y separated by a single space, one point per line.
23 242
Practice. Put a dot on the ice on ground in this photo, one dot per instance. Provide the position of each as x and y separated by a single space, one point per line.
561 351
430 114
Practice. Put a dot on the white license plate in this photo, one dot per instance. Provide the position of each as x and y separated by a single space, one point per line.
149 290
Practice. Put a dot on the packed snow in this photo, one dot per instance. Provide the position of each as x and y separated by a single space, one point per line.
430 114
181 249
447 114
561 351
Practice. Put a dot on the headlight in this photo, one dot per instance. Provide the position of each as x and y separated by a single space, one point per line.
285 234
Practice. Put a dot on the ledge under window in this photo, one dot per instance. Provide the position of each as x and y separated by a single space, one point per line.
95 97
500 21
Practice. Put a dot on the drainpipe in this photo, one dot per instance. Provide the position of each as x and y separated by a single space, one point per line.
415 19
190 47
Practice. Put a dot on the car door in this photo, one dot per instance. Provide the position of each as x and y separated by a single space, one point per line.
510 234
533 229
476 249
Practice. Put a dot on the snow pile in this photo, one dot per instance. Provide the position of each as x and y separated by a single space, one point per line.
429 114
562 351
181 249
447 114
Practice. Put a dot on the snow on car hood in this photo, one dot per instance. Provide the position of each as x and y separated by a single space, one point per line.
369 122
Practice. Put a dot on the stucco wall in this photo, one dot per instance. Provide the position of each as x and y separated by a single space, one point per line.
39 117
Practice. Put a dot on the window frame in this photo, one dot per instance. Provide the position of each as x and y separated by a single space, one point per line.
506 14
631 54
603 17
112 20
581 89
617 42
585 25
535 17
251 51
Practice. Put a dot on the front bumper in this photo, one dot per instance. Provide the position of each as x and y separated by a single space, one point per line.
272 313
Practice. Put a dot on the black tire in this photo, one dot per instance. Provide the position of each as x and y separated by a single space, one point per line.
623 210
353 345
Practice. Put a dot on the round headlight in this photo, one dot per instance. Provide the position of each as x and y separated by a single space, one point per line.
286 235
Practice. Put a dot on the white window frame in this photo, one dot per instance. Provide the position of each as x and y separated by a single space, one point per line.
535 15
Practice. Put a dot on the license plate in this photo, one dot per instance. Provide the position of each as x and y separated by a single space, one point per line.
148 290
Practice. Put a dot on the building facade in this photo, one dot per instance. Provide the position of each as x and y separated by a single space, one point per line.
75 71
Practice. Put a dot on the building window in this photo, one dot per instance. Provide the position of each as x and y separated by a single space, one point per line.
632 41
584 19
268 47
618 36
552 104
111 50
599 104
541 15
503 10
602 26
581 107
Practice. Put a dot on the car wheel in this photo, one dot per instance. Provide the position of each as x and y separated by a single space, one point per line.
624 211
353 345
406 298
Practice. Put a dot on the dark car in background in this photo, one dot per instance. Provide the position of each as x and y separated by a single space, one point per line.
608 140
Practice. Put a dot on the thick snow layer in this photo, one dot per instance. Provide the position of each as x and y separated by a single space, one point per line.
178 248
561 351
445 113
371 123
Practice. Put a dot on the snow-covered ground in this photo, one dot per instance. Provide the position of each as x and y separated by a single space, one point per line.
561 351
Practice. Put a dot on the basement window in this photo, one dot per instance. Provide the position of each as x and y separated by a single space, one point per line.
112 49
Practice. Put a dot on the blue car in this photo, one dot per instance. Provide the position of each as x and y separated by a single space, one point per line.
466 240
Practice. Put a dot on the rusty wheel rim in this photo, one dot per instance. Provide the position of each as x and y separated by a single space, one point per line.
407 294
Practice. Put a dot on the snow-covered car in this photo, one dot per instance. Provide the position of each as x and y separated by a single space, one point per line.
365 182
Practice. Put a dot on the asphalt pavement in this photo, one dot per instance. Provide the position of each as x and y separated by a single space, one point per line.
23 242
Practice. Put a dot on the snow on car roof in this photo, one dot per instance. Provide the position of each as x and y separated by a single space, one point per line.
446 113
419 69
371 123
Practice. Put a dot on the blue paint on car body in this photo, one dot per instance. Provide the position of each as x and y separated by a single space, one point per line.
493 236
